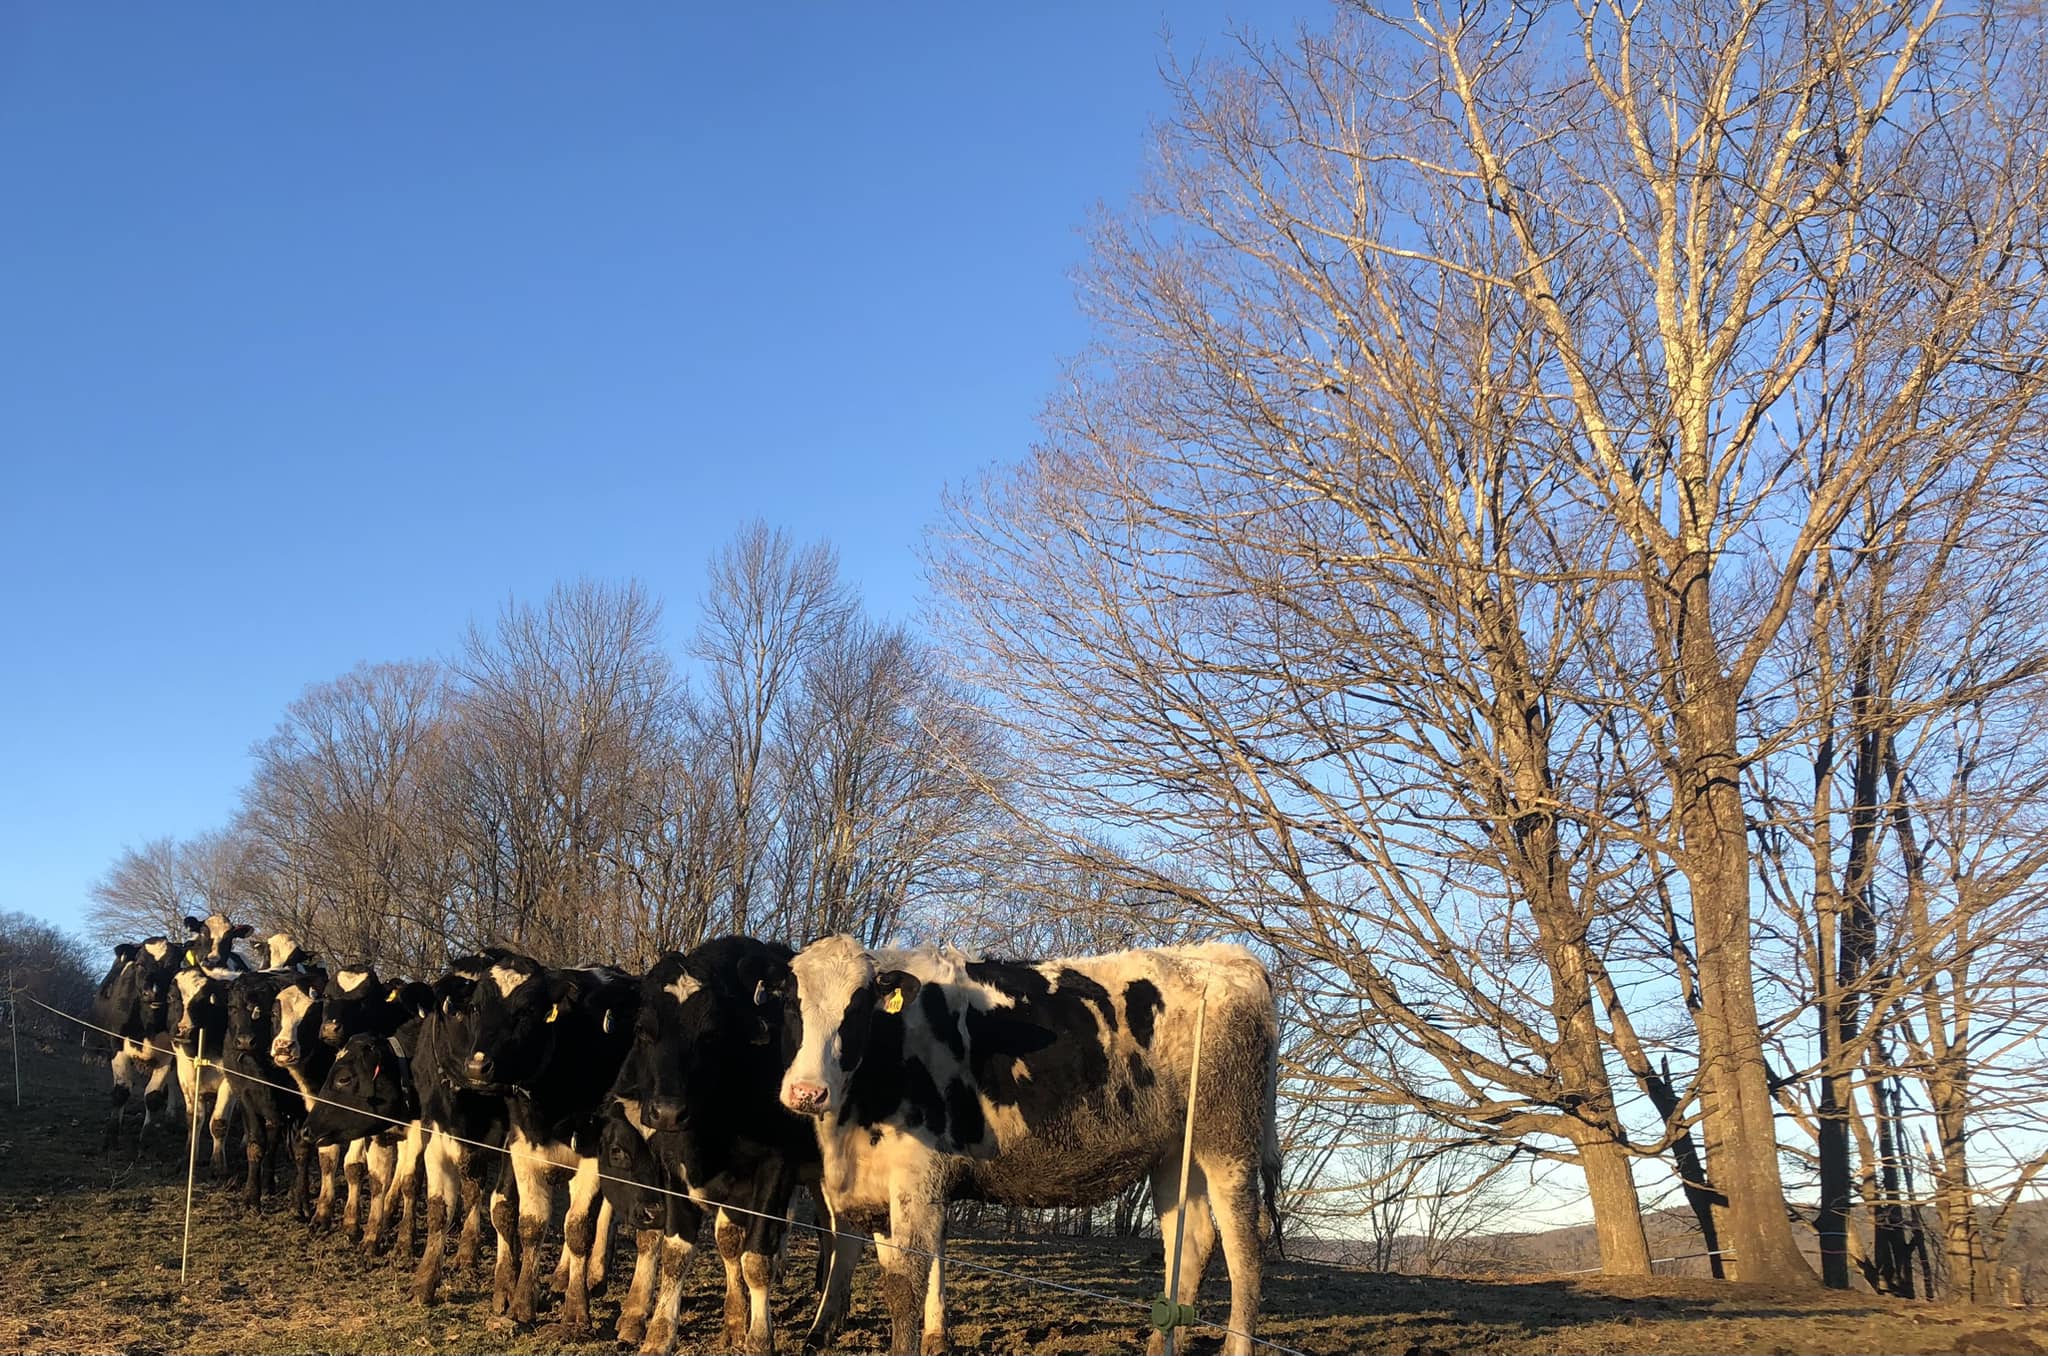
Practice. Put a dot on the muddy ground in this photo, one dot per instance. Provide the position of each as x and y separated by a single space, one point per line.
89 1243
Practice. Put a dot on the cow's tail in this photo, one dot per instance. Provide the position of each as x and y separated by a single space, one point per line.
1269 1143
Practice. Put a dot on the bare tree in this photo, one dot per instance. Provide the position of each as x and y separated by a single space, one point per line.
1438 504
566 711
767 605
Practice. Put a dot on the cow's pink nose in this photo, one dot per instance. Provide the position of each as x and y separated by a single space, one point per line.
808 1098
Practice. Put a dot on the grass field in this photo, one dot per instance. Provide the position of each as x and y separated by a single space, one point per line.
89 1244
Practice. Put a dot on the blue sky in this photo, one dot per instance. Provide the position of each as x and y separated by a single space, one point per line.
327 329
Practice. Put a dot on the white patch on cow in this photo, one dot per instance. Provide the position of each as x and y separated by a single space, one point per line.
684 986
349 982
280 948
293 1003
1019 1070
509 977
190 981
631 1106
157 948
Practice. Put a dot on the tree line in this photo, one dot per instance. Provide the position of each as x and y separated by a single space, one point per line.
1549 547
559 785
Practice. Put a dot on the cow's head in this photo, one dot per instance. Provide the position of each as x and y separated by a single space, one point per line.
298 1020
213 939
252 1013
367 1092
514 1010
143 985
702 1047
357 1002
829 1020
199 1007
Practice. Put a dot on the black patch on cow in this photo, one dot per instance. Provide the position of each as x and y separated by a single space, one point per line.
1140 1070
1046 1054
1073 981
857 1027
922 1104
1126 1100
963 1112
939 1017
1141 1004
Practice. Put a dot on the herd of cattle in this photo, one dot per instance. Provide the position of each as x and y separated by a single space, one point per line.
889 1082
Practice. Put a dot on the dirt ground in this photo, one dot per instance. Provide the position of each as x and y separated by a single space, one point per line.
89 1244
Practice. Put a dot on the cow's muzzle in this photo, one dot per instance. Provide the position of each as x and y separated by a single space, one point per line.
330 1034
806 1099
480 1068
665 1113
284 1050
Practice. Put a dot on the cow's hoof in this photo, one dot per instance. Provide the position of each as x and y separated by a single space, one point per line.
660 1337
937 1344
568 1328
632 1327
733 1337
523 1309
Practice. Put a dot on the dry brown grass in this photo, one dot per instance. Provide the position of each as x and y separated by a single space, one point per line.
89 1262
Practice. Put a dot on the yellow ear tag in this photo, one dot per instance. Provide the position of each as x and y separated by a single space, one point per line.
554 1012
894 1002
391 997
191 956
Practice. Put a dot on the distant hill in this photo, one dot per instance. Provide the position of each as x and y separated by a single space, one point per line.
1674 1240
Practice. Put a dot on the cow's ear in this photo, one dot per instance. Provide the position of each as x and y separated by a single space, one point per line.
127 951
896 988
193 924
417 996
238 930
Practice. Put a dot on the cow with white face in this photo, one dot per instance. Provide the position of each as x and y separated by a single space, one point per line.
213 941
199 1032
1055 1083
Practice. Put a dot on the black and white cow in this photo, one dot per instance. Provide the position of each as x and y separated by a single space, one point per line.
932 1075
550 1042
325 1012
369 1100
212 941
199 1032
456 1119
272 1105
699 1088
134 1003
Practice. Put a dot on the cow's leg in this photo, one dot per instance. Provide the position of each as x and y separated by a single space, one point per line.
256 1134
123 1065
504 1215
841 1254
379 1163
532 1174
353 1171
217 1123
477 1206
157 1102
438 1155
405 1186
601 1250
916 1226
668 1294
731 1240
1234 1197
640 1295
328 1158
579 1238
766 1232
1198 1235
